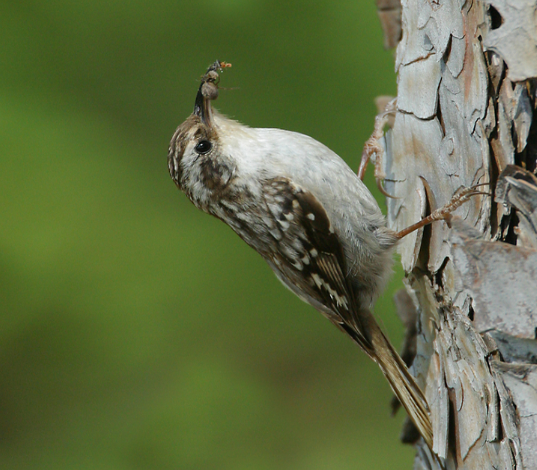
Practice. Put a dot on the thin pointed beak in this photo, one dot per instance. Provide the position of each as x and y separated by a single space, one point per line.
208 91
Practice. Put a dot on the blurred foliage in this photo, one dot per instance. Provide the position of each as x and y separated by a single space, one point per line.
137 332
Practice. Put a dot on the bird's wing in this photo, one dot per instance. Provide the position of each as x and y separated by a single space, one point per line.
311 255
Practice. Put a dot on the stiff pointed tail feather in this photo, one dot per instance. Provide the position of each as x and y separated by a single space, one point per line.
403 384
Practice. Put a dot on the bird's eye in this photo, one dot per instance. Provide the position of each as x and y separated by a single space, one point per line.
203 147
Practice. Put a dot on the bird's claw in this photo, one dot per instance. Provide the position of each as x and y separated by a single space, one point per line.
374 150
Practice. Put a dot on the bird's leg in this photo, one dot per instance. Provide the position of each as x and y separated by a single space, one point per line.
444 213
373 149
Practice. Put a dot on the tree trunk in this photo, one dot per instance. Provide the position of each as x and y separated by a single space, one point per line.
465 115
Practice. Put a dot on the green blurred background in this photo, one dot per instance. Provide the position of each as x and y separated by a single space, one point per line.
137 332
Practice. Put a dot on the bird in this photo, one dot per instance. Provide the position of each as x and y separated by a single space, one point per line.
308 214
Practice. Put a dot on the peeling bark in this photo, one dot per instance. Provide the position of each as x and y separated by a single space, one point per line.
466 115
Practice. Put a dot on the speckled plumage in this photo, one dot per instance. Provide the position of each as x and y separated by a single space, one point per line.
246 171
307 213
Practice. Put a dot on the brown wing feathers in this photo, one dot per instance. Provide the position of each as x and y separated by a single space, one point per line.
321 259
309 252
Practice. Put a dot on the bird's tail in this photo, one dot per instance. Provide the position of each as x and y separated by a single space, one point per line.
403 384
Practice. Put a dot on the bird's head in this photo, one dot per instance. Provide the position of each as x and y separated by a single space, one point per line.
195 156
197 136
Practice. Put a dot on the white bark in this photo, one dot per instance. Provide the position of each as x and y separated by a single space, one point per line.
466 101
